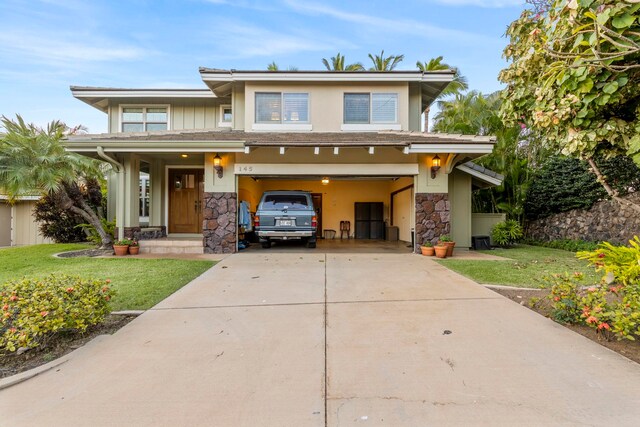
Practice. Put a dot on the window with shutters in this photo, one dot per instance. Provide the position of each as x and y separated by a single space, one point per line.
282 108
370 108
144 118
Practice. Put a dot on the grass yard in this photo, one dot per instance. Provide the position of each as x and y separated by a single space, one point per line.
140 283
526 268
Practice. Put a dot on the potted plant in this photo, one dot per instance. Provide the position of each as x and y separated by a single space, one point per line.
441 251
134 248
121 247
427 249
446 240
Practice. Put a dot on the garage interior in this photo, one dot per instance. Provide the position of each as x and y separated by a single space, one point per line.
362 212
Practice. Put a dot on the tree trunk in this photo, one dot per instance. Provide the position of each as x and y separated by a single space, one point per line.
87 213
610 191
426 119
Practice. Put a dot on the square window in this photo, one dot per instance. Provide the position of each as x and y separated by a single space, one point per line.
280 107
356 108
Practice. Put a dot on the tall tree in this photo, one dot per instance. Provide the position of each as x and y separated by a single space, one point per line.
33 162
384 63
574 77
455 87
337 64
274 67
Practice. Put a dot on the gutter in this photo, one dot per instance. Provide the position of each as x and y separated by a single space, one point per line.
119 167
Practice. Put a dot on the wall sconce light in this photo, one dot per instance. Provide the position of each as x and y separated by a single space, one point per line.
184 156
325 181
435 166
217 165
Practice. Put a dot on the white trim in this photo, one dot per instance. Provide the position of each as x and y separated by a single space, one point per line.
409 76
12 233
21 198
451 148
373 127
481 176
158 150
221 123
166 189
145 106
142 93
282 127
344 169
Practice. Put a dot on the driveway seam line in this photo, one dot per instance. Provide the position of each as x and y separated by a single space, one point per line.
326 388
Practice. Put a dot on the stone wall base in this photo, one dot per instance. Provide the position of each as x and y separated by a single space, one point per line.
433 217
144 233
220 226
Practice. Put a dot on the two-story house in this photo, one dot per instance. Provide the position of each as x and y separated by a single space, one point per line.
347 137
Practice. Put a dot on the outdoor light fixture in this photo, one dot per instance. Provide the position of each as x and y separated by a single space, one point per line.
325 181
184 156
217 165
435 166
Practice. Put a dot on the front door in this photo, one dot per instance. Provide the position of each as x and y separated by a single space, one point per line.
186 191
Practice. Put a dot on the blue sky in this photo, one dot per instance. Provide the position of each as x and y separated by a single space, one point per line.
48 45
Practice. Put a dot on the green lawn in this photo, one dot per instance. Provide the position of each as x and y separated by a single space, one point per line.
140 283
527 267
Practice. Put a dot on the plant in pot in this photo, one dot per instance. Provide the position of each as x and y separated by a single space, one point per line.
121 247
427 249
134 248
441 251
446 240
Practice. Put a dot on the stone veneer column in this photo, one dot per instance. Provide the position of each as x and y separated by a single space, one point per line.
433 217
219 226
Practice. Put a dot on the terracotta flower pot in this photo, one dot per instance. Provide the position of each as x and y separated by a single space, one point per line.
120 250
427 250
441 251
450 246
134 250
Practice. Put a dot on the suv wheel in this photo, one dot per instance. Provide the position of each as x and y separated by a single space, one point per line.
265 244
311 244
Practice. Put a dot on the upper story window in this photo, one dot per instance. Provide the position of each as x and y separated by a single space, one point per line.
141 119
226 116
370 108
282 108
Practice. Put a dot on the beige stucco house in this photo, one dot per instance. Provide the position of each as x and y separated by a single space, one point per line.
347 137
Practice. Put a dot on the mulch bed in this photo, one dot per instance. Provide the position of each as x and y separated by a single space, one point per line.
86 252
59 345
627 348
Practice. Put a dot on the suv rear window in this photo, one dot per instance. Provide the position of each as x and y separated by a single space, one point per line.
285 201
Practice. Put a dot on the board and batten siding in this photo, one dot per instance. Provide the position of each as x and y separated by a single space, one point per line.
5 224
18 223
183 114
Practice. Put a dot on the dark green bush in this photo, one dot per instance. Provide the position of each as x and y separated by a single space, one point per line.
565 244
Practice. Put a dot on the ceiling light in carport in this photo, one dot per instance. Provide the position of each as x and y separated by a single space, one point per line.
325 180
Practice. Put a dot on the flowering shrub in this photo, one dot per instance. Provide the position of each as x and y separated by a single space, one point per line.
613 306
33 309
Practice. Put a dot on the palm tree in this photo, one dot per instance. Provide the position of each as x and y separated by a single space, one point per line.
337 64
380 63
33 161
274 67
455 87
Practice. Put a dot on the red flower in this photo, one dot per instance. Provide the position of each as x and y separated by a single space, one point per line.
69 290
44 313
108 281
604 325
556 299
592 319
5 307
13 297
600 255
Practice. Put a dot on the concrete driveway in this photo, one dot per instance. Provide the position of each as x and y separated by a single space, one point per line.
312 339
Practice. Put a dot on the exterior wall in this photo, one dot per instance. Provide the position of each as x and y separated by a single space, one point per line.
415 107
25 229
5 224
326 101
220 226
460 197
183 114
607 220
482 223
382 155
403 207
424 182
433 217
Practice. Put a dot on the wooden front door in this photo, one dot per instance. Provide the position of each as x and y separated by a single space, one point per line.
186 191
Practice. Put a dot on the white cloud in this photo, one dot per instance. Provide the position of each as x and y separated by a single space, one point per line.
490 4
403 26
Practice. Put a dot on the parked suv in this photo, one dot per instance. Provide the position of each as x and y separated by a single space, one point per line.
286 215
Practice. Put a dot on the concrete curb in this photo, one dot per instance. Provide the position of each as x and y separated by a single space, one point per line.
128 312
26 375
514 288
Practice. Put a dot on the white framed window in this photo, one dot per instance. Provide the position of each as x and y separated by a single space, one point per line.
282 108
226 116
134 118
370 108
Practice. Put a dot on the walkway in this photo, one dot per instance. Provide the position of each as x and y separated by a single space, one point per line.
311 339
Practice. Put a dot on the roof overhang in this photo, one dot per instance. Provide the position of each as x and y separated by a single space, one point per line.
431 82
98 97
482 177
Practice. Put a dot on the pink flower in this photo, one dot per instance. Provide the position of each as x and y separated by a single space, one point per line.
13 297
592 289
69 290
556 299
44 313
604 325
5 307
592 319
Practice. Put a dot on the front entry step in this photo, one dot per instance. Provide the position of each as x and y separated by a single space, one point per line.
172 246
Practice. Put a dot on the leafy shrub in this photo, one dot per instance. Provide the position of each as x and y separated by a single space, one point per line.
58 224
33 309
92 233
565 244
613 306
506 233
566 183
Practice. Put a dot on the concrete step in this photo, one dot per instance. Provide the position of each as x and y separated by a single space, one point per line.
172 246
